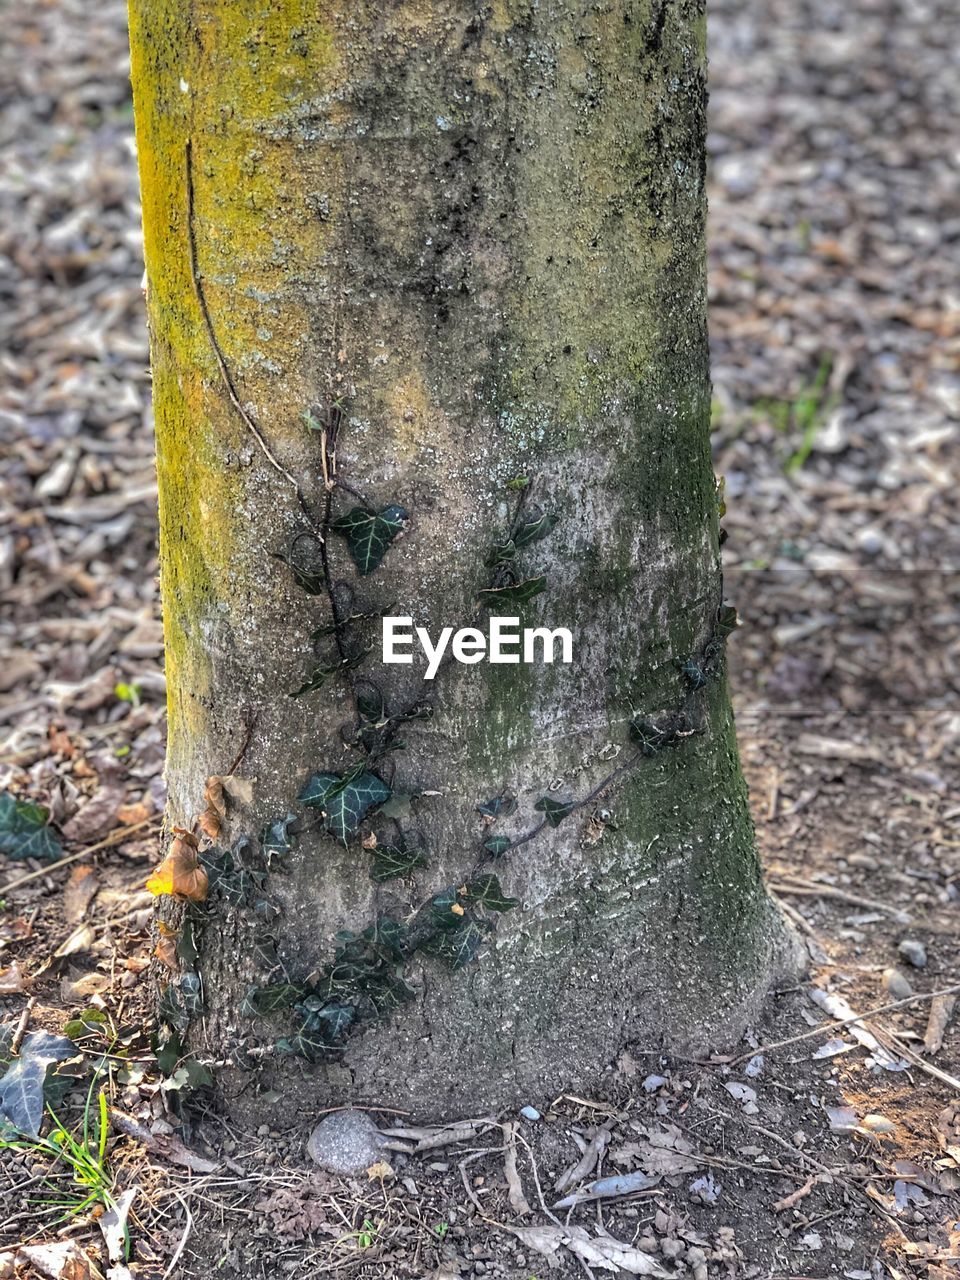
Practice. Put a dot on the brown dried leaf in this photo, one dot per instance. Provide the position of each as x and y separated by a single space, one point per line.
180 873
12 981
79 892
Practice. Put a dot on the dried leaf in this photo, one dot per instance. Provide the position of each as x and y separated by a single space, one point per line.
79 892
12 981
180 873
113 1224
518 1201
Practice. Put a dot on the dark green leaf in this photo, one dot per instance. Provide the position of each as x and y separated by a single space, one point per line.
22 1085
386 993
513 593
332 1019
497 846
399 805
371 706
485 891
727 620
25 831
458 947
322 672
554 810
368 534
317 788
503 553
265 951
499 807
170 1009
191 993
275 838
167 1051
446 909
386 938
304 556
186 948
534 528
391 862
694 674
345 807
259 1001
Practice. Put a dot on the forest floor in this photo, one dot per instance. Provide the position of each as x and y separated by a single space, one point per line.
835 214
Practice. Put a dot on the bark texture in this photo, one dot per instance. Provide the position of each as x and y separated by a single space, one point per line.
481 228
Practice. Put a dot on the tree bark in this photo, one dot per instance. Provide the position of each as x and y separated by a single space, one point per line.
403 255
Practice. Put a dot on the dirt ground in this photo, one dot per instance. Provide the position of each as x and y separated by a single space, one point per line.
835 215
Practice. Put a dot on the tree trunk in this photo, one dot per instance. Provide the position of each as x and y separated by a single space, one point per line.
400 257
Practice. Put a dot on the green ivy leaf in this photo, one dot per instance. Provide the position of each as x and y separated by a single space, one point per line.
497 846
445 908
727 620
458 947
386 993
304 558
369 534
25 831
499 807
191 993
386 938
186 948
513 593
534 528
390 862
319 785
346 806
503 553
260 1001
275 838
331 1019
22 1084
485 891
554 810
324 671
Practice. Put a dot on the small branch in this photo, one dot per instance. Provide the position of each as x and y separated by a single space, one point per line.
844 1022
225 375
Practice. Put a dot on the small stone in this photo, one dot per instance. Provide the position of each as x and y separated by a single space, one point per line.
875 1123
913 952
530 1113
896 984
653 1083
345 1142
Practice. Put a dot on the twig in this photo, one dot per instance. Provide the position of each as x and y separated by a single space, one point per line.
225 374
843 1022
897 1046
251 725
183 1239
116 836
22 1025
807 889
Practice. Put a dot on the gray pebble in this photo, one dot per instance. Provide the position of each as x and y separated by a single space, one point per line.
896 984
345 1142
530 1113
913 952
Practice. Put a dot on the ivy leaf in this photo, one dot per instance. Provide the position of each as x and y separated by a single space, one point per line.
445 908
304 557
694 674
347 805
391 862
25 831
512 593
727 621
170 1009
275 838
503 553
497 846
387 938
311 1045
554 810
386 993
318 785
371 706
458 947
191 993
332 1018
499 807
485 891
260 1001
322 672
22 1085
399 805
534 528
369 534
